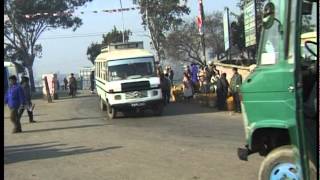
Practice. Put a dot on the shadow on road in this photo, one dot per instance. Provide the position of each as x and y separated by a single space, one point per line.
64 96
63 128
72 119
26 115
27 152
173 109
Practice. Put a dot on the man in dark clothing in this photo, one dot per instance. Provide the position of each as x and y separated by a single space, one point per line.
235 84
72 85
171 74
15 99
165 87
222 91
92 82
27 94
65 81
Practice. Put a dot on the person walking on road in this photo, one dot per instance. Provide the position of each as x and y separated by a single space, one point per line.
222 91
235 84
15 100
65 81
72 85
27 95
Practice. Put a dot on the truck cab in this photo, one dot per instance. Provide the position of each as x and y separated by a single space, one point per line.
279 101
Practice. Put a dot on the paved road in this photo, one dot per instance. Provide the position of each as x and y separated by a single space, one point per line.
73 140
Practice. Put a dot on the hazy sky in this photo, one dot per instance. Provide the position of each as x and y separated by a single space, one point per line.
66 55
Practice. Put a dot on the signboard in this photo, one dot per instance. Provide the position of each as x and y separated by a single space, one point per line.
226 29
250 23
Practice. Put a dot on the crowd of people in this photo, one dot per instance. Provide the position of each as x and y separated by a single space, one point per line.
204 80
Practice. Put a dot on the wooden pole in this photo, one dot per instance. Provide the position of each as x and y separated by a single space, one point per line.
47 90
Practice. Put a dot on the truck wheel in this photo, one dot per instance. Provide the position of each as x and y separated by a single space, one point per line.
158 110
278 164
103 106
111 112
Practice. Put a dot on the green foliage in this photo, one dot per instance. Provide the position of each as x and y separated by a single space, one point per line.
160 16
93 51
115 36
237 33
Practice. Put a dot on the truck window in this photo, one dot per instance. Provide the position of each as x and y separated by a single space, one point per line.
272 41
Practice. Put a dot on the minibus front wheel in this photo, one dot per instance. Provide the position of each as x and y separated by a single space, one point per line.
111 111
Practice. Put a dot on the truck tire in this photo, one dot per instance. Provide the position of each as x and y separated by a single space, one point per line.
111 112
281 161
103 106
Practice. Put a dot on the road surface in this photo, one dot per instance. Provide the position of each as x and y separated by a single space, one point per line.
73 140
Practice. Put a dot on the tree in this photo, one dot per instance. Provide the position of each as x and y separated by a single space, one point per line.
237 34
115 36
160 16
213 27
184 43
93 51
21 34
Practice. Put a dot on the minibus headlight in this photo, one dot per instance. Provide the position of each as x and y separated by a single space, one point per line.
155 93
117 97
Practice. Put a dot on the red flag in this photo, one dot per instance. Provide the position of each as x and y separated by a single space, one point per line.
200 17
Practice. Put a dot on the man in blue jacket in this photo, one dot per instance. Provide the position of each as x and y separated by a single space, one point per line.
15 99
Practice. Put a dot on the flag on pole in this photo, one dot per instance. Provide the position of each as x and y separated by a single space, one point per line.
200 18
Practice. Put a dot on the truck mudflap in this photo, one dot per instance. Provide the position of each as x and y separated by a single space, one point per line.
243 153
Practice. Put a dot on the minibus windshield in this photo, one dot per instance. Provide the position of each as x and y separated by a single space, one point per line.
130 68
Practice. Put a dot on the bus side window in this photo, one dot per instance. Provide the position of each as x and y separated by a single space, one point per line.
101 75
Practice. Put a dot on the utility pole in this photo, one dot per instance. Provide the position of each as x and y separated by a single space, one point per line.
201 30
122 22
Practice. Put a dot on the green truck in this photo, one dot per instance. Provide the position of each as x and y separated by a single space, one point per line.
279 98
